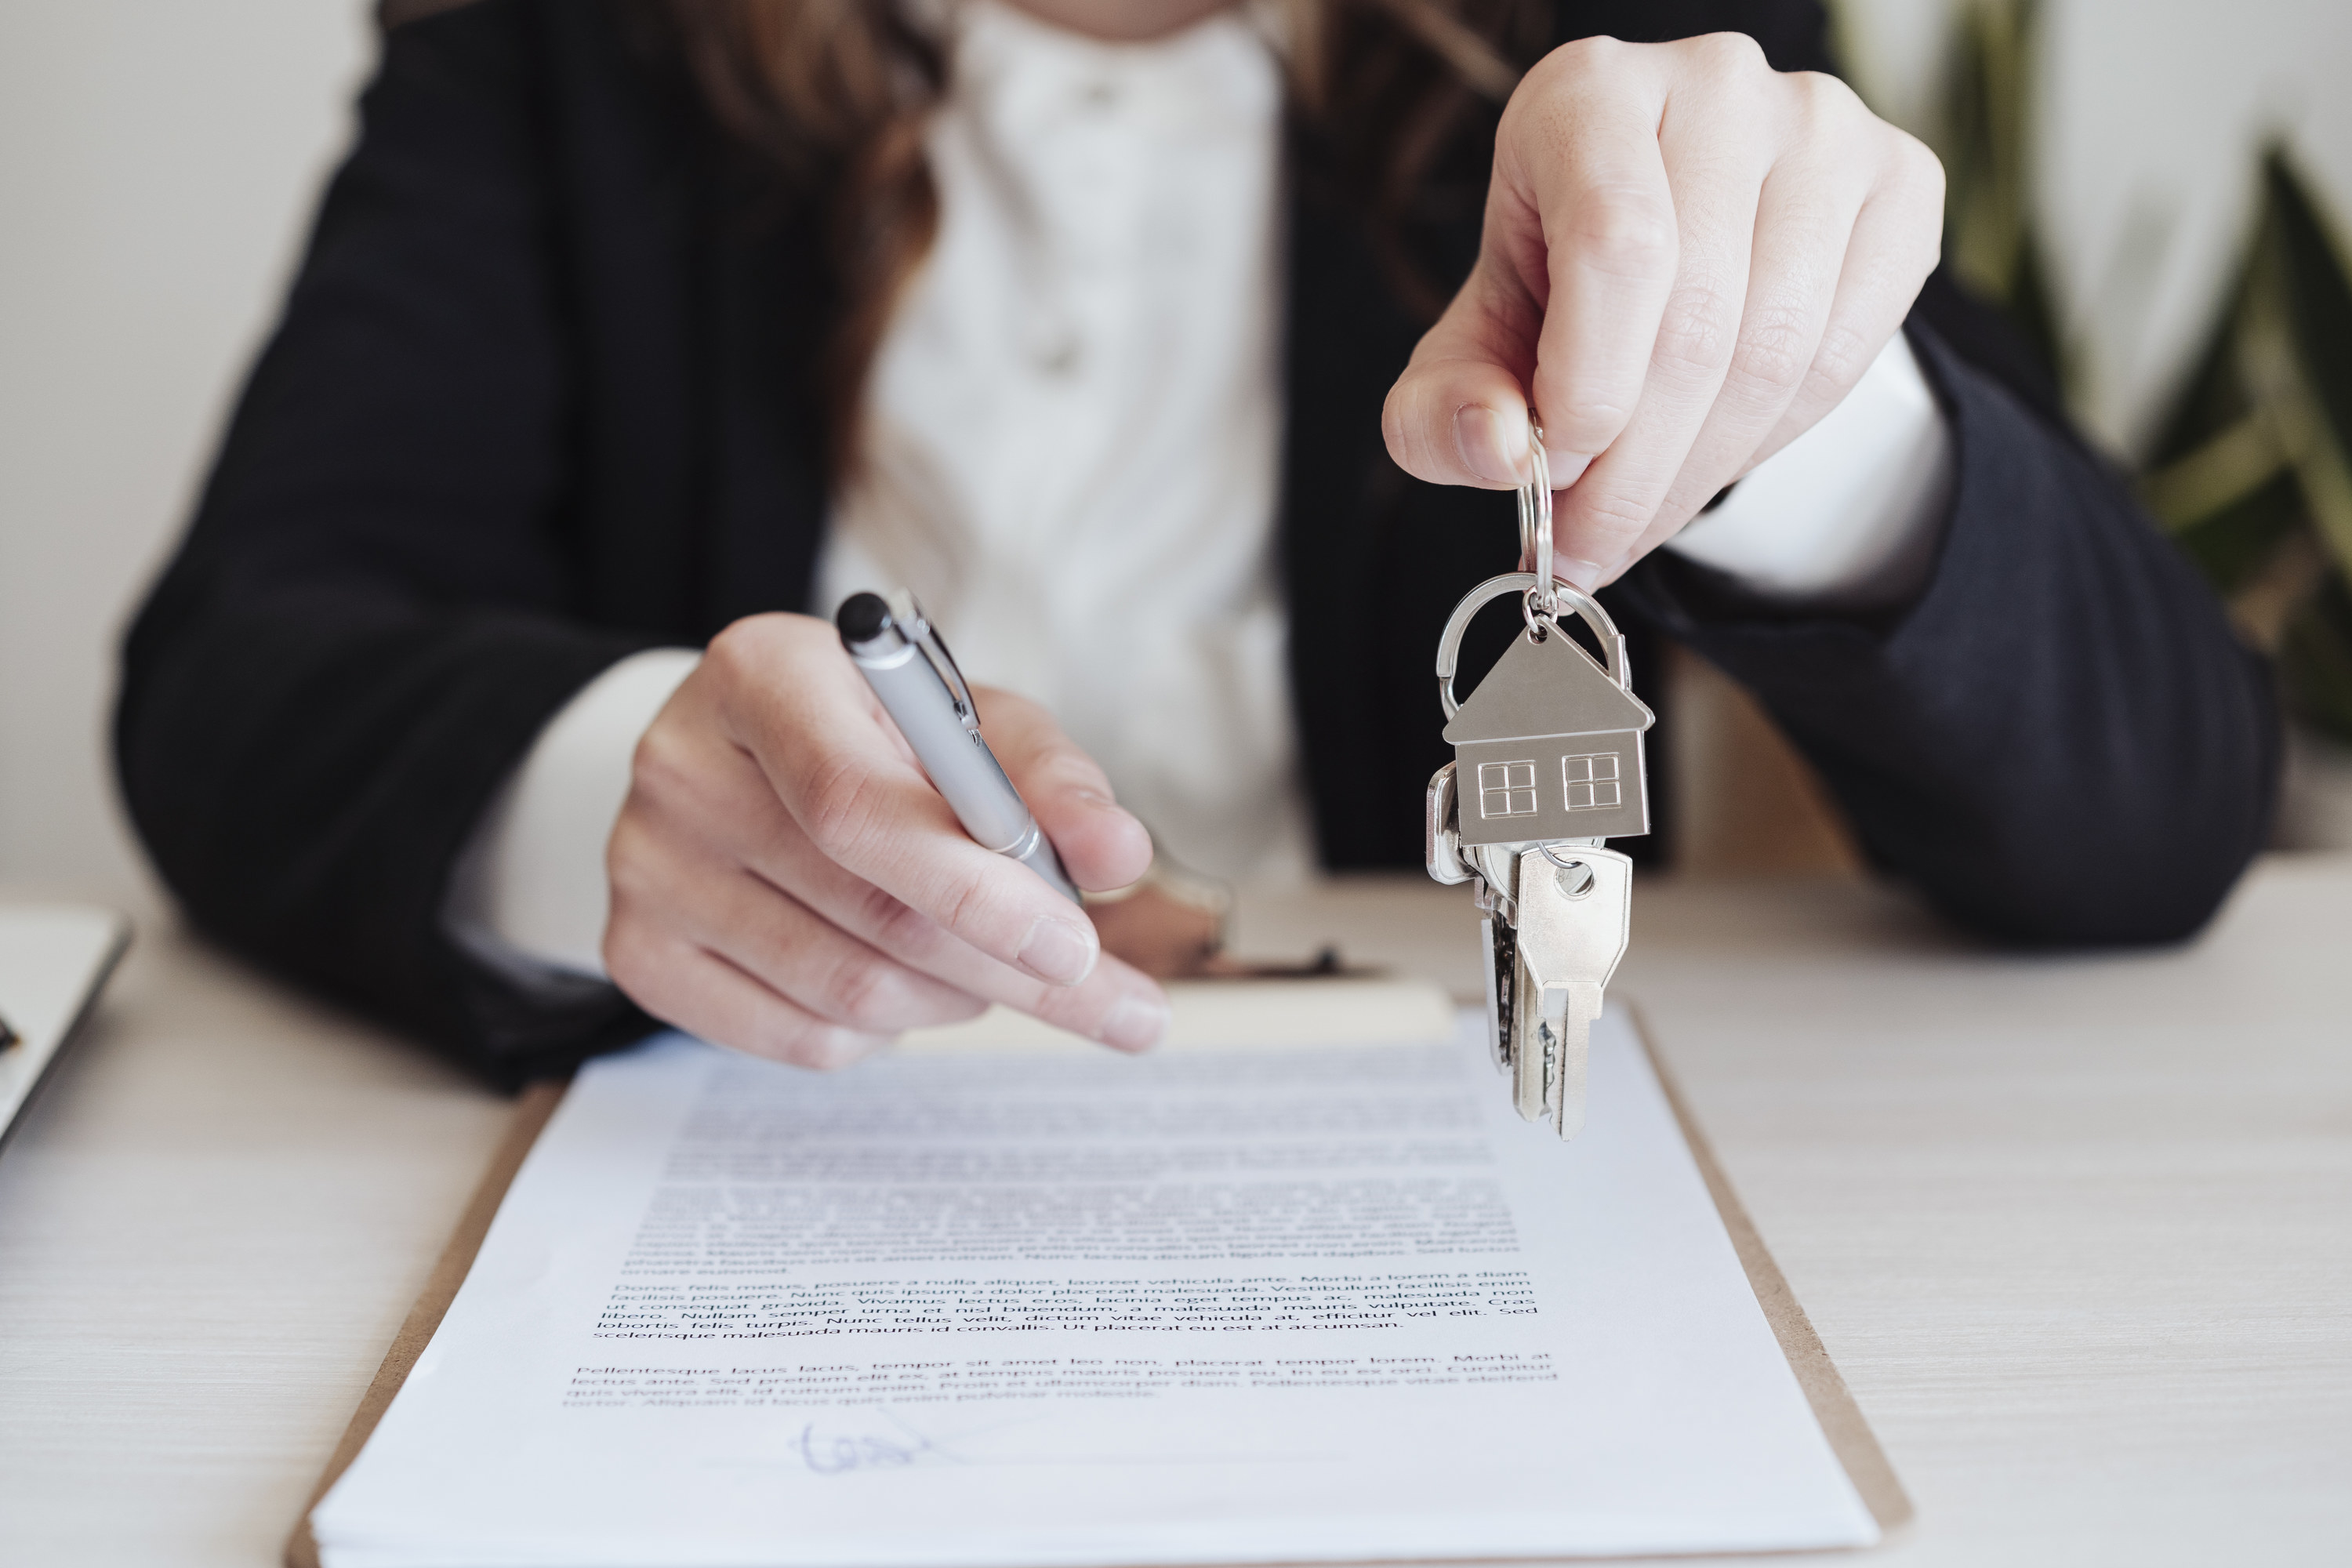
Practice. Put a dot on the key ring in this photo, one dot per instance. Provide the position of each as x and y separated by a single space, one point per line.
1565 597
1535 534
1542 596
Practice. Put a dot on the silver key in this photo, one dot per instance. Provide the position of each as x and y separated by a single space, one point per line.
1493 870
1555 920
1575 909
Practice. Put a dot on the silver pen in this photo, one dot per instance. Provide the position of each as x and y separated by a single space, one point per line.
912 672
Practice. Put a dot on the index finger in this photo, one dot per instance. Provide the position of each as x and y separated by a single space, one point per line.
1576 264
1584 155
1102 846
837 766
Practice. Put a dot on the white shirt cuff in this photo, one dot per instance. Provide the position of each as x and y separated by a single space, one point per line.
528 896
1847 516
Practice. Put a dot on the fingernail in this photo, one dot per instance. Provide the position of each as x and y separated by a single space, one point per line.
1059 952
1568 467
1135 1025
1486 452
1586 575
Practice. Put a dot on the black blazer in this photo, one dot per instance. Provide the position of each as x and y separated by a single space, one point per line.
541 396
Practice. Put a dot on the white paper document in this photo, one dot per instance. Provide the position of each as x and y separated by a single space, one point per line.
1212 1305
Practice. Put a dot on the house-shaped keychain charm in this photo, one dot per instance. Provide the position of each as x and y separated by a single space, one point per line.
1548 747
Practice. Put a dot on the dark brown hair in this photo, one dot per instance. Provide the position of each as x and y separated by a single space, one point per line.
835 94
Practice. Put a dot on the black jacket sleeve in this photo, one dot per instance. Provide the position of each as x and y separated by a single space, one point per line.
2061 741
368 622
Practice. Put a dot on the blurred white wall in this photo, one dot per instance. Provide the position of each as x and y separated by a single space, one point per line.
158 161
2149 113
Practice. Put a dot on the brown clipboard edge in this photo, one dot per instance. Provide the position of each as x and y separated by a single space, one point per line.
1850 1436
531 1111
1842 1423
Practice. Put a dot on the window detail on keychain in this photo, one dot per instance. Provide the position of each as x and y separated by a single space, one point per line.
1591 781
1509 789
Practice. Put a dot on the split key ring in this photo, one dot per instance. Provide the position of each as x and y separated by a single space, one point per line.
1534 532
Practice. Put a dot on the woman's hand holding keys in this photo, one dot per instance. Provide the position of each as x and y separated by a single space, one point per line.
1688 258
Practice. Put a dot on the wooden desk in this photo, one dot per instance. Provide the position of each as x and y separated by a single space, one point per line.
2079 1231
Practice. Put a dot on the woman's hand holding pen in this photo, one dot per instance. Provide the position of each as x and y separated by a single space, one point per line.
785 880
1688 258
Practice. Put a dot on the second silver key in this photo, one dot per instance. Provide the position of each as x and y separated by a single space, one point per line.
1575 909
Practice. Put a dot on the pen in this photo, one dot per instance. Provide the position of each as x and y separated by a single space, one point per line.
912 672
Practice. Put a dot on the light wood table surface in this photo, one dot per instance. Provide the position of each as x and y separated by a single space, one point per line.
2078 1230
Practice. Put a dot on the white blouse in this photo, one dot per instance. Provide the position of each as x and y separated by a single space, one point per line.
1074 433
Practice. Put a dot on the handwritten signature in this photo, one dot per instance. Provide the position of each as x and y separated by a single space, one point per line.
836 1453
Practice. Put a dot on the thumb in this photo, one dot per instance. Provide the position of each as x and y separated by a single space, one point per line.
1101 845
1458 415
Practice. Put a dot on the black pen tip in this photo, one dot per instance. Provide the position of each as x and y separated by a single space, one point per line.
861 618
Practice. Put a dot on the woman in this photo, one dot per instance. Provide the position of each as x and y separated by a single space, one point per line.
1121 329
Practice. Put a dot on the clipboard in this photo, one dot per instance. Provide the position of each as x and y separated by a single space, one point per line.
1842 1423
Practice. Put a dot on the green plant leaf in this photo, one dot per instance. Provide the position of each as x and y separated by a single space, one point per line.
2319 302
